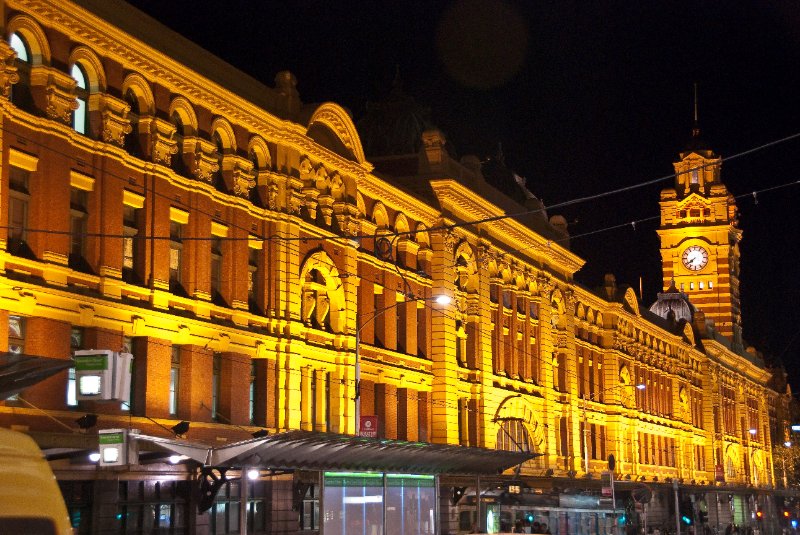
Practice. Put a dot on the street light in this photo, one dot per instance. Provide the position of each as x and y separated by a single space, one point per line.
441 299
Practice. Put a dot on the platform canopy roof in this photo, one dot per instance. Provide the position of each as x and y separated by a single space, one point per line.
306 450
19 371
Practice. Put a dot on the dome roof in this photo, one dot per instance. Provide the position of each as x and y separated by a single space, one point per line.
673 305
395 125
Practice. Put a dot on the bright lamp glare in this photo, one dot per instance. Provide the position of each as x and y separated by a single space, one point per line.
641 386
788 443
94 456
89 385
175 459
442 300
753 431
110 455
253 474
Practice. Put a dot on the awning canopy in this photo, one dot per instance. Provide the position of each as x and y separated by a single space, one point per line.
19 371
306 450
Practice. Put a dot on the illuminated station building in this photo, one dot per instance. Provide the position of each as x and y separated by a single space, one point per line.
276 273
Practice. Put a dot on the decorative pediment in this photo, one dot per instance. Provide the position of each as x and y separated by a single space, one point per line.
337 121
631 301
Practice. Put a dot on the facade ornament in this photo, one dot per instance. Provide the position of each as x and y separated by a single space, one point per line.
272 195
433 142
8 68
295 195
242 176
200 157
59 92
310 202
325 203
163 144
321 179
485 256
305 168
337 187
115 122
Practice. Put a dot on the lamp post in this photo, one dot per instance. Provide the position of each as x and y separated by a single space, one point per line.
438 299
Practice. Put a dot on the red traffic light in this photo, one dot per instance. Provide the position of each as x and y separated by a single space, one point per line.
786 513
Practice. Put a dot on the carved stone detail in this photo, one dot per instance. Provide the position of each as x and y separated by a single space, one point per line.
450 240
485 256
116 125
162 144
8 69
326 207
59 91
200 157
242 176
296 196
433 141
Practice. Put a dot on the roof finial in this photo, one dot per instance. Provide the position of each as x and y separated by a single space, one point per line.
696 127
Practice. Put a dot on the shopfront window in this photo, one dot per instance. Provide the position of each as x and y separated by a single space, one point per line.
357 503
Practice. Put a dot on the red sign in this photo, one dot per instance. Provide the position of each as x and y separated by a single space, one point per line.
368 427
719 473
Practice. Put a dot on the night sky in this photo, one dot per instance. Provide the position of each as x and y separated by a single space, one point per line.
584 96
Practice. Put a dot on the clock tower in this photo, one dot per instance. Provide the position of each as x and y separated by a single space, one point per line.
700 239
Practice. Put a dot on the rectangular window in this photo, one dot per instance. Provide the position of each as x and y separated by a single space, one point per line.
131 247
216 267
215 384
19 198
174 380
309 510
175 255
78 217
253 278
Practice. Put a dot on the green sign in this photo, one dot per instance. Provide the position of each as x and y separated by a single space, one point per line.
91 362
111 438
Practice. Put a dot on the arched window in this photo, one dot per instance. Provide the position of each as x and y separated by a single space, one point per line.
512 436
132 143
80 116
316 304
219 181
21 91
19 47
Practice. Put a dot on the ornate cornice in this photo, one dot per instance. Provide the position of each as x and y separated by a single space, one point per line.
85 27
469 206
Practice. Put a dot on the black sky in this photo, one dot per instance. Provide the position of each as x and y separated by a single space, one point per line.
585 97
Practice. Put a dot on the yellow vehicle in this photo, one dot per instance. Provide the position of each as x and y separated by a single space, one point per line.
30 500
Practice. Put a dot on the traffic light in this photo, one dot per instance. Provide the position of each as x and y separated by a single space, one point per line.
529 518
759 513
687 512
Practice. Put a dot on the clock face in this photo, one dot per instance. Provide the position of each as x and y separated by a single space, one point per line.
695 258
